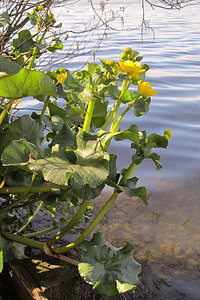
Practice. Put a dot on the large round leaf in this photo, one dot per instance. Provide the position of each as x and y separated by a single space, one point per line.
26 83
108 269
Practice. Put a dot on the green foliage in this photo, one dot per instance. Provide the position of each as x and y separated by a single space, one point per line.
62 154
111 270
8 66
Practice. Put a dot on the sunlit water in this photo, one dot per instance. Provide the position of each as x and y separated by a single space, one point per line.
166 234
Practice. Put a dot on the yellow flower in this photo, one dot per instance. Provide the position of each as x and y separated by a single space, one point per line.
145 89
40 7
61 77
130 67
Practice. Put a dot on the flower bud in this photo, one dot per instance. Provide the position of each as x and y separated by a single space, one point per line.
40 7
128 50
122 55
168 132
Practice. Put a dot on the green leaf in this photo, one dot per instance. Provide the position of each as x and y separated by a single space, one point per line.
53 169
113 91
56 110
55 45
131 134
128 96
55 122
4 19
65 137
141 107
8 66
92 164
85 192
70 84
86 95
129 188
109 269
32 19
24 127
26 83
99 113
18 152
24 41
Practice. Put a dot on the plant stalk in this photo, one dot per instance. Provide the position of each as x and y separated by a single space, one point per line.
22 240
70 225
91 227
88 117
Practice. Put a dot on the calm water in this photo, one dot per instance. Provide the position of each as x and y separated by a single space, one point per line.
166 234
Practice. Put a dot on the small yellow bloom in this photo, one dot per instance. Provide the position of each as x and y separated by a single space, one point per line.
168 132
61 77
128 50
130 67
40 7
145 89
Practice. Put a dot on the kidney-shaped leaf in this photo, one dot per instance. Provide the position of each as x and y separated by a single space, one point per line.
8 66
24 127
26 83
19 152
110 270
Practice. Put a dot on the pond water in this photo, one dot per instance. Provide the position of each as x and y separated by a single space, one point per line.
166 234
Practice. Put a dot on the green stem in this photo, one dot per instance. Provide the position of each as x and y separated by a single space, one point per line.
123 89
6 109
43 188
109 117
29 186
91 227
128 173
22 240
124 113
44 108
41 232
35 49
31 217
14 204
88 117
70 225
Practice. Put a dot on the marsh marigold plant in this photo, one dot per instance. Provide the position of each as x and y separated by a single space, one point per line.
63 154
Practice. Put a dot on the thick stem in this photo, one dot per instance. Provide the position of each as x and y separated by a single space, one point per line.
88 117
6 109
22 240
44 108
43 188
91 227
70 225
129 172
41 232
